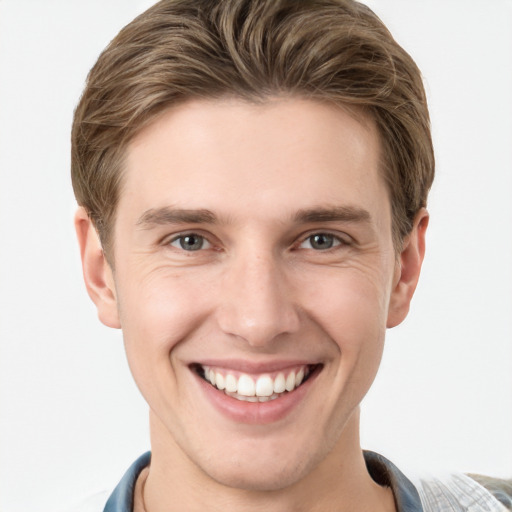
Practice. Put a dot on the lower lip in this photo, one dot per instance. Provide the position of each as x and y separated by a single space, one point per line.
256 412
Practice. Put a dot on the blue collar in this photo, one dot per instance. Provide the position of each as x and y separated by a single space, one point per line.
387 474
381 470
121 500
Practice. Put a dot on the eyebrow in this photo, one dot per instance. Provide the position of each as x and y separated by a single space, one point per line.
334 214
169 215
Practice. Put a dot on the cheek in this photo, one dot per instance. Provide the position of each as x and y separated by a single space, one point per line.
158 312
350 304
351 308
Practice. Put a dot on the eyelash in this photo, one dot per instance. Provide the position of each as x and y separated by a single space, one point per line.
183 236
335 241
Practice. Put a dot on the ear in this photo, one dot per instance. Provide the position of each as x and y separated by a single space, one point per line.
408 270
97 273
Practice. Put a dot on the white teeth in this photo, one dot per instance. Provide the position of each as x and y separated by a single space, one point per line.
246 386
252 398
299 377
290 382
231 383
264 386
219 379
280 383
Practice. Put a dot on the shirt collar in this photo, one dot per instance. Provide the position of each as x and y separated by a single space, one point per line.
384 472
121 500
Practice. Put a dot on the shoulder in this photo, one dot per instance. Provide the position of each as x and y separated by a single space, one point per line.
459 492
500 488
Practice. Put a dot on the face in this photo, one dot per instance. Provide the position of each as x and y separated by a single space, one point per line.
254 278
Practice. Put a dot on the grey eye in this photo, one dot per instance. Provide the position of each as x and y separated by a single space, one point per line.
190 242
320 242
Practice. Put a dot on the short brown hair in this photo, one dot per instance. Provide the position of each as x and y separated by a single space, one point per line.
330 50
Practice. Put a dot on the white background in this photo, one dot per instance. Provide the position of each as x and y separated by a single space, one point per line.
71 418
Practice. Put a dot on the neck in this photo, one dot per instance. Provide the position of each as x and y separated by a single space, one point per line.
338 482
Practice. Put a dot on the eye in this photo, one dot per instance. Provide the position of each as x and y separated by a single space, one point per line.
320 242
190 242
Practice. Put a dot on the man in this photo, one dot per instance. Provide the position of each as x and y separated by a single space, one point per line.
252 179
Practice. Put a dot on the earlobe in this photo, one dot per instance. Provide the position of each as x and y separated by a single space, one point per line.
408 270
97 273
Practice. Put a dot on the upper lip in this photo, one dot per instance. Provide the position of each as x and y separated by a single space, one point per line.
255 367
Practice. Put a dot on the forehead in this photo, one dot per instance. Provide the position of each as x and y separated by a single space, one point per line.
238 158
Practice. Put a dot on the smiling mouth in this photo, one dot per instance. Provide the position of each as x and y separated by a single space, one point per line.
256 388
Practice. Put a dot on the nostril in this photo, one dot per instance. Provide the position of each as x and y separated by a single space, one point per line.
255 305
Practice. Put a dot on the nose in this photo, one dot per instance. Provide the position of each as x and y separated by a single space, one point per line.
256 300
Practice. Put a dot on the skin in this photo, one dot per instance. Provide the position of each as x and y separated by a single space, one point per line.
258 290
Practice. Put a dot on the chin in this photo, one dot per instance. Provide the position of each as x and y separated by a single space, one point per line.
264 472
258 479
